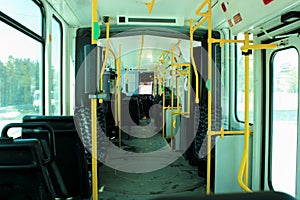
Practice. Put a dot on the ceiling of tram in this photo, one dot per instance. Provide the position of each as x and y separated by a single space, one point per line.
74 11
146 50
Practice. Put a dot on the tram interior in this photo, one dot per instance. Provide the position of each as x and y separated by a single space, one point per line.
145 117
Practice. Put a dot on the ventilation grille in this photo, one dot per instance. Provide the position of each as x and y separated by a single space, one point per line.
150 21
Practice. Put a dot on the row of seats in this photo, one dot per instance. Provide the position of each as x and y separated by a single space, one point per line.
260 195
47 162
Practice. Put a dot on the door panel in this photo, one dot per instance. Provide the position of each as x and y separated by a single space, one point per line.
284 142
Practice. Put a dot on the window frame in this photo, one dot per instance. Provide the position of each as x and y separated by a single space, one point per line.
39 38
236 51
54 17
271 103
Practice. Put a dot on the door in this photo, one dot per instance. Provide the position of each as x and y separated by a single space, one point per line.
283 116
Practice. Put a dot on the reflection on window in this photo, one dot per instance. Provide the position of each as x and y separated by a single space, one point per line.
25 12
55 74
284 120
240 84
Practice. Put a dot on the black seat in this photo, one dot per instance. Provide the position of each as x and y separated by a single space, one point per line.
235 196
69 171
23 171
130 111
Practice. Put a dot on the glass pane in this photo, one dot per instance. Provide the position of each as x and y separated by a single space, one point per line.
55 75
240 83
284 120
20 72
26 12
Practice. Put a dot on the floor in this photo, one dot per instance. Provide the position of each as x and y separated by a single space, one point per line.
178 178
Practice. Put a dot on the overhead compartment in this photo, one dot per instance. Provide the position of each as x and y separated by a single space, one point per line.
243 15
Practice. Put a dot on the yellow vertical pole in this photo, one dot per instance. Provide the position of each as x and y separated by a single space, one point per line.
247 127
116 101
94 149
193 61
126 79
154 82
189 89
209 82
178 93
244 168
119 95
94 20
172 78
141 53
94 111
163 111
160 85
172 95
106 55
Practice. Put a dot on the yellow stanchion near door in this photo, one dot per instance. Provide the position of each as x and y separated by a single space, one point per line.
244 167
94 111
207 16
119 95
94 148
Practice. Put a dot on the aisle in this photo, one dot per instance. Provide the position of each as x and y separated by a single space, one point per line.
178 178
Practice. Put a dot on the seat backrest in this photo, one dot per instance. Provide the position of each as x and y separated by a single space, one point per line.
130 111
69 168
23 174
262 195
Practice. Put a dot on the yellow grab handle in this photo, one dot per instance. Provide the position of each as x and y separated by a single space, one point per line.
174 123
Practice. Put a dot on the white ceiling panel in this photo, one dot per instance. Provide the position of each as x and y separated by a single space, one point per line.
78 12
161 8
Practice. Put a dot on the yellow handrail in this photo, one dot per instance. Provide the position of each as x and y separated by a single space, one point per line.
198 11
193 61
202 21
244 171
94 20
189 90
94 149
150 6
209 78
126 79
94 115
141 52
106 55
244 167
164 104
119 95
258 46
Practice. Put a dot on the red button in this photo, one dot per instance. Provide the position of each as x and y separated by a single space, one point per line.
223 7
266 2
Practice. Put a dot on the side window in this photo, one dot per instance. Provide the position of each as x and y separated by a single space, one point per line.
283 123
56 67
21 61
240 83
27 13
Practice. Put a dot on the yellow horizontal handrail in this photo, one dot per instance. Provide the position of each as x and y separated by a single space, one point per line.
227 132
258 47
200 23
